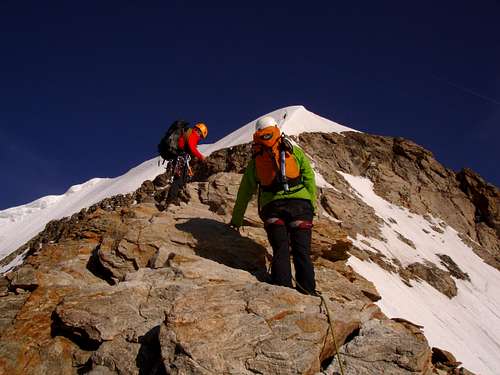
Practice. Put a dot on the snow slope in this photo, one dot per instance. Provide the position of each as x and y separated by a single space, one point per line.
20 224
467 325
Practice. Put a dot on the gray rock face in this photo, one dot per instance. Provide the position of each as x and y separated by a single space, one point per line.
264 329
378 350
10 303
439 279
453 268
484 196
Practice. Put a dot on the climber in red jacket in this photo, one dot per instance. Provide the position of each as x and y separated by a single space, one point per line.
189 140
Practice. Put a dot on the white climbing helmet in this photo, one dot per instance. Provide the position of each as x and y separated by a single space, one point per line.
265 122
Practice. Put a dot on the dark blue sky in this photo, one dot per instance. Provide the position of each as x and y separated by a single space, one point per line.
88 87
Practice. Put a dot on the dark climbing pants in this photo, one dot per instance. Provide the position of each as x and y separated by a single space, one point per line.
288 224
175 188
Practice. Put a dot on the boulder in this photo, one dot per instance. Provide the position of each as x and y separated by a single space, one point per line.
377 349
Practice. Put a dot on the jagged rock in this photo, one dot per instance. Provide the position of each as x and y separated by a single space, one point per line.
99 315
377 349
233 159
355 215
27 346
452 267
10 304
340 282
161 180
25 278
160 258
330 241
145 192
219 193
209 309
4 286
407 175
442 356
233 335
123 288
390 265
484 196
405 240
446 363
134 250
109 328
114 202
436 277
249 328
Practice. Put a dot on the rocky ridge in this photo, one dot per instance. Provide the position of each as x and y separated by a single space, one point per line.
124 288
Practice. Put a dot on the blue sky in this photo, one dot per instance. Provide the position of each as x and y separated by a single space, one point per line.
88 88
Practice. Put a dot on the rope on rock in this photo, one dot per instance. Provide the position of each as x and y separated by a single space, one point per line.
330 321
317 293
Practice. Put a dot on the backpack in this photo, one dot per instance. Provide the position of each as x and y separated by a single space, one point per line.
267 146
167 148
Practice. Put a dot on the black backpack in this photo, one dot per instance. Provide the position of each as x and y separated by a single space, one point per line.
167 148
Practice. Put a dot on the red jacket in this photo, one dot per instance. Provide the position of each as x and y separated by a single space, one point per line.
189 143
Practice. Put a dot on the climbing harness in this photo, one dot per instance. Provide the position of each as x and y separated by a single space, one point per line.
179 167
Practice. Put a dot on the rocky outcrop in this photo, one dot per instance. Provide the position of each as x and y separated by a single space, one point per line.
132 290
484 196
125 288
436 277
408 175
377 350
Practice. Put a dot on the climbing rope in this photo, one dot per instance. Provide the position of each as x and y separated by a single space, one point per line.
317 293
330 321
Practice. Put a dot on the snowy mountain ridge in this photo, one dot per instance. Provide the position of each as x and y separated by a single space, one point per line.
19 224
393 239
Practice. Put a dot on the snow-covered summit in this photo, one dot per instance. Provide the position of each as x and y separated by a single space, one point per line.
19 224
297 120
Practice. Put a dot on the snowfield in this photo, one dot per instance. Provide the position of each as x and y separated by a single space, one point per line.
467 325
